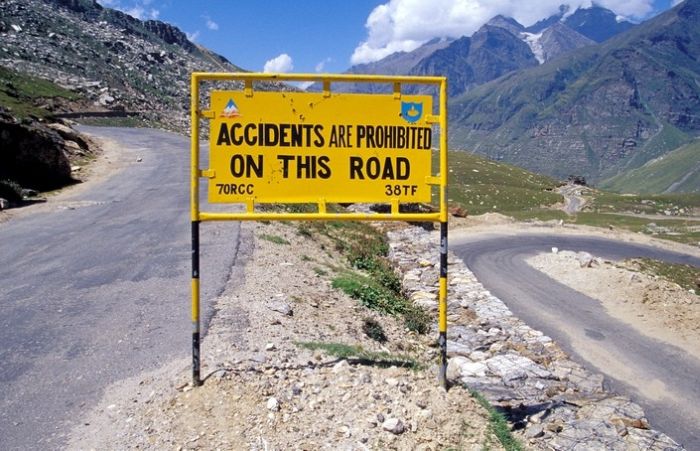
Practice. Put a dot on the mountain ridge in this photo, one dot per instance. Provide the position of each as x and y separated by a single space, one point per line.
597 111
491 51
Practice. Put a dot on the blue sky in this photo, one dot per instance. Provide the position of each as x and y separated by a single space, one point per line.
331 35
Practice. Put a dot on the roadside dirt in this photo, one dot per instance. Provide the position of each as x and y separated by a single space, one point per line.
264 391
655 307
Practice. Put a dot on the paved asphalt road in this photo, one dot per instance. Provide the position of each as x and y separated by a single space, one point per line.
101 292
661 378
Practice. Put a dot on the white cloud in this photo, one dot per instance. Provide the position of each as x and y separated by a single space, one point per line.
322 65
404 25
303 84
136 11
210 23
192 36
135 8
281 63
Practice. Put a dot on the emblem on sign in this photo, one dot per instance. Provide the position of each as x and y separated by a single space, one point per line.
411 111
230 110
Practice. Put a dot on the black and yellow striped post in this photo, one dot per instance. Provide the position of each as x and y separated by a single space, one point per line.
442 320
442 324
194 217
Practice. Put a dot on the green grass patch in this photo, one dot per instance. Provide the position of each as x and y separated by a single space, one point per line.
274 239
374 295
360 355
687 276
677 171
375 284
23 94
673 203
369 292
481 186
679 230
498 424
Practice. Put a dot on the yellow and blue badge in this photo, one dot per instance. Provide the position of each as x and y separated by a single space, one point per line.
411 111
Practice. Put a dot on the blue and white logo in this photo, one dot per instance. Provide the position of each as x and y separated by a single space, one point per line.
411 111
230 110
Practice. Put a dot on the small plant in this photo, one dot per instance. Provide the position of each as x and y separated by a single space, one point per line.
498 424
320 272
373 330
369 293
274 239
417 320
304 230
376 296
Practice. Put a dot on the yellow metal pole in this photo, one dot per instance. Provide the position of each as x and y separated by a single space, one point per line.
442 322
194 217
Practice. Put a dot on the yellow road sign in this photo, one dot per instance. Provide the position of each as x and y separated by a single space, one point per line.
306 147
318 148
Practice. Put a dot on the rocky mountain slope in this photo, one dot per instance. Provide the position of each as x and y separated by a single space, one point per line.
117 62
597 111
675 171
67 56
596 23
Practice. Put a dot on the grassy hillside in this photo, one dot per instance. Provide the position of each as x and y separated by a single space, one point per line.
677 171
481 186
25 95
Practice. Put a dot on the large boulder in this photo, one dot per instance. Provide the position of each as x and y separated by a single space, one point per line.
32 154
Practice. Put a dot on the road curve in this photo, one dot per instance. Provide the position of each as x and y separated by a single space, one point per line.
660 377
97 288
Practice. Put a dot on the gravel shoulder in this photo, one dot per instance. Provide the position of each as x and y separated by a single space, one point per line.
263 391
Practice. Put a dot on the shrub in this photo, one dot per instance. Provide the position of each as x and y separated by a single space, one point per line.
373 330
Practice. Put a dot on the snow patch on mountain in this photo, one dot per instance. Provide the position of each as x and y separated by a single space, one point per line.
533 40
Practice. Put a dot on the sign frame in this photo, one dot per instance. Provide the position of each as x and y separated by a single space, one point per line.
196 173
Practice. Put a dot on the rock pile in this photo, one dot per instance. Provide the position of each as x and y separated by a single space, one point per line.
551 401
